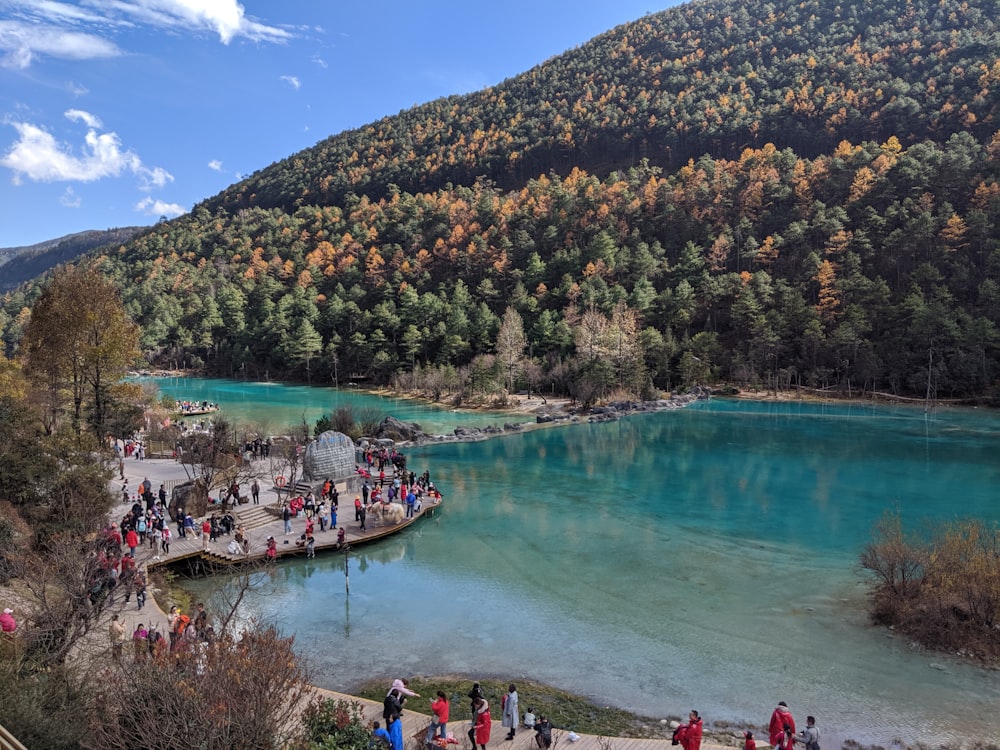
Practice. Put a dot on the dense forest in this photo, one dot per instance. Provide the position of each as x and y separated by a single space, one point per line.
766 193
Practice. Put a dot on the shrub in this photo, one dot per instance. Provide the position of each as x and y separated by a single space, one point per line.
942 589
336 724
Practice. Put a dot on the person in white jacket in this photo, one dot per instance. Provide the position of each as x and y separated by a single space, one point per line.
511 717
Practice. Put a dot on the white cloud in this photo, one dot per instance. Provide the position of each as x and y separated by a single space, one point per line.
156 177
223 17
34 28
152 207
216 165
78 115
319 61
292 81
37 156
70 199
21 42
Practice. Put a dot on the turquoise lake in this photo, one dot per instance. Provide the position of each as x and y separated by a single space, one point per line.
700 558
274 406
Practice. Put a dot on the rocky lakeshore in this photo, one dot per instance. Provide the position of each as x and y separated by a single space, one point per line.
545 414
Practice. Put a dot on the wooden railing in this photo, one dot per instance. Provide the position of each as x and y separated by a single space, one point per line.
9 741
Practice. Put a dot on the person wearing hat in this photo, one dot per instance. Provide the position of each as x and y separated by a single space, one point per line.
7 622
357 508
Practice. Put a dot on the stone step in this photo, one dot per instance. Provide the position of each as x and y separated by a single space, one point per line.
254 516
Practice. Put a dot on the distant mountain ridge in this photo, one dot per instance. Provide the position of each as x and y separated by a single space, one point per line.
20 264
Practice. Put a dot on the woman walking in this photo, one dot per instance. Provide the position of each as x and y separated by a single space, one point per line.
480 732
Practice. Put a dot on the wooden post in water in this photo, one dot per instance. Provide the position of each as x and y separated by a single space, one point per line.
347 570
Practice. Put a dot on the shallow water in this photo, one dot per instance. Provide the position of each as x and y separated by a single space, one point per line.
702 558
276 406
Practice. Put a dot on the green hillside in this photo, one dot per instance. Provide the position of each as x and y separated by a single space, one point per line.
766 193
21 264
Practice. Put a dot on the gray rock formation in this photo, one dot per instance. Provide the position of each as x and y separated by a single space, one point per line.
189 497
405 432
330 456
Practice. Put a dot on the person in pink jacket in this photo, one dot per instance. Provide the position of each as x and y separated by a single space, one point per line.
7 622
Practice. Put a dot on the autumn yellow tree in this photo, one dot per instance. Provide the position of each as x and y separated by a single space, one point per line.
828 304
77 346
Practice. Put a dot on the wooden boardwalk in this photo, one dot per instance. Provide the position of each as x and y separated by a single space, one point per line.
258 525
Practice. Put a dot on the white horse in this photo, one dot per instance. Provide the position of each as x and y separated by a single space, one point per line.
393 513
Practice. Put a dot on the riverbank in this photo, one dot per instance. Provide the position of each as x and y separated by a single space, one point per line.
566 710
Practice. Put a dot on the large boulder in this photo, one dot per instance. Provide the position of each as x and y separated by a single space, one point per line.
408 432
189 497
329 456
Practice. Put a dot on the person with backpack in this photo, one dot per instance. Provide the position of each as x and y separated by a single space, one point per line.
180 624
810 735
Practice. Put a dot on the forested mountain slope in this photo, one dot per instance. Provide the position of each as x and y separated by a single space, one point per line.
707 77
763 192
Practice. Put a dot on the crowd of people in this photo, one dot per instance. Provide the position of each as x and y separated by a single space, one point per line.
184 634
782 734
194 407
780 727
437 735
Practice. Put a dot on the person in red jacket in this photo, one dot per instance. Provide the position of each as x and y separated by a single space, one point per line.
776 726
440 719
689 735
480 732
132 540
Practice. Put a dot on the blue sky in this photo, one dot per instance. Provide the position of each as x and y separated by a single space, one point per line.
117 112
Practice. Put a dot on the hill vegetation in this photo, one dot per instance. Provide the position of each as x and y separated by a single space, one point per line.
21 264
769 193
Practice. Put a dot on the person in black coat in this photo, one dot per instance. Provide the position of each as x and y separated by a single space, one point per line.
391 705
